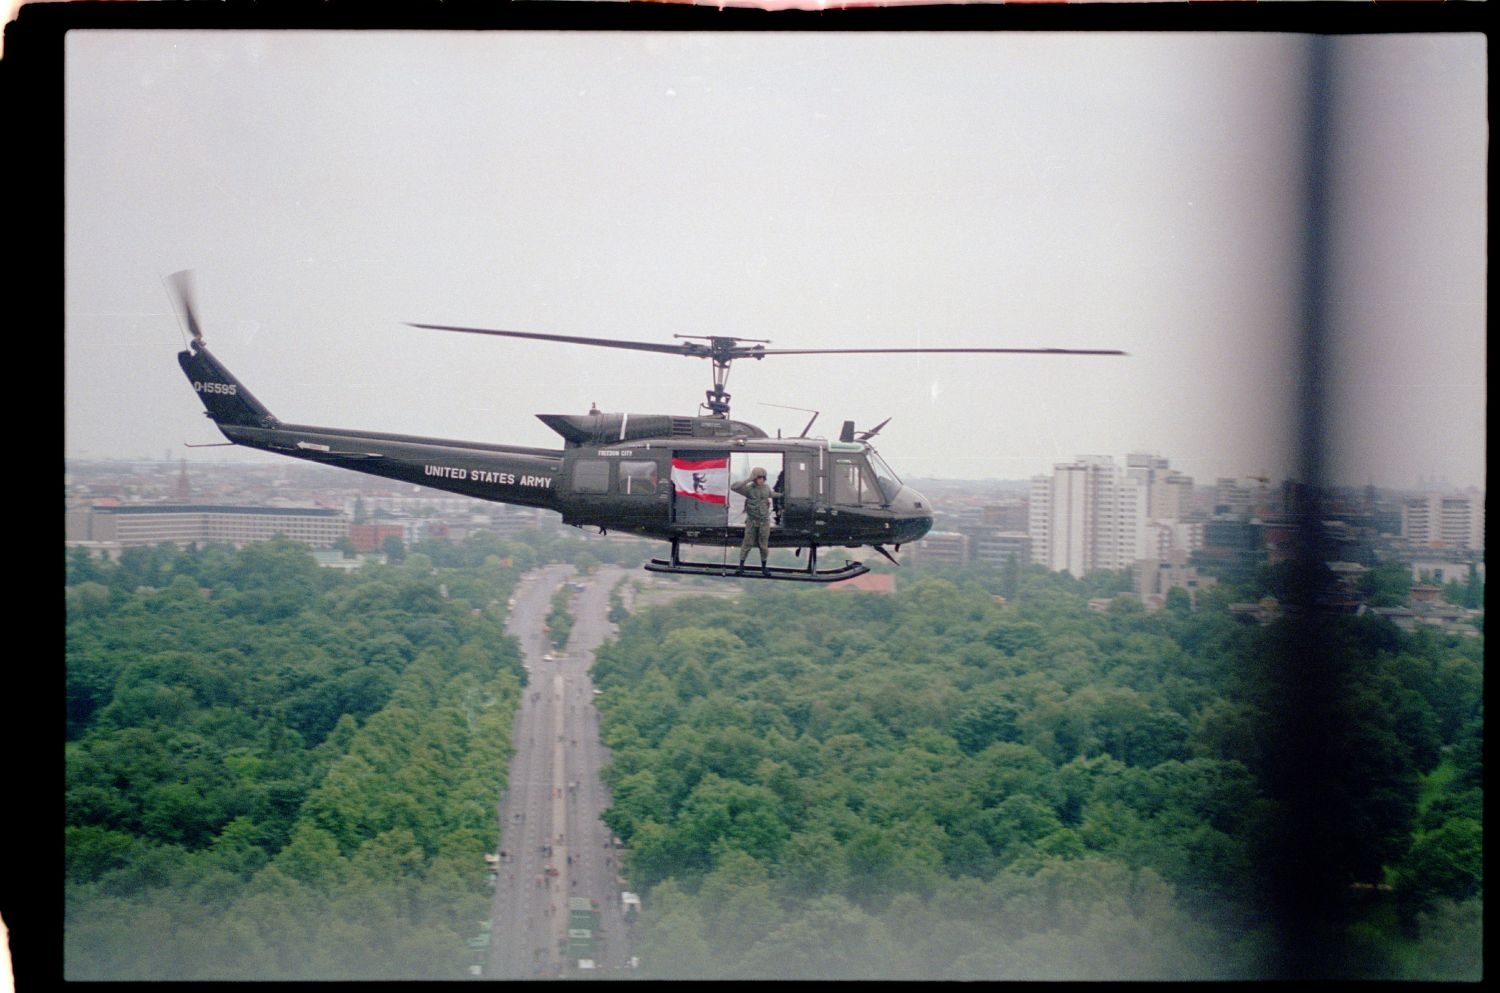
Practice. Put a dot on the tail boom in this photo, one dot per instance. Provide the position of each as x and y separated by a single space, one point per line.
499 473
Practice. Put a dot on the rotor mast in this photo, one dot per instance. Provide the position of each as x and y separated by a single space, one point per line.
722 351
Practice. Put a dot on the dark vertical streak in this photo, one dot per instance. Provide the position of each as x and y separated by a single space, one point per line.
1307 874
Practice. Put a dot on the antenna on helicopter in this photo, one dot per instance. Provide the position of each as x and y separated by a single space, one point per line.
805 410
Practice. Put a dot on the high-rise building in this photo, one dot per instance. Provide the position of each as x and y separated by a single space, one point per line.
1090 515
1133 532
1244 496
1083 515
1444 521
1172 497
1236 548
1169 502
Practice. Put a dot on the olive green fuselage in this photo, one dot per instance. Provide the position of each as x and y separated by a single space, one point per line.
657 476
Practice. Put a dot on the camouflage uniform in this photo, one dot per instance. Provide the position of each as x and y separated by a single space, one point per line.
757 515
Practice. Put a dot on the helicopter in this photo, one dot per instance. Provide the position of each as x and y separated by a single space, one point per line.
658 476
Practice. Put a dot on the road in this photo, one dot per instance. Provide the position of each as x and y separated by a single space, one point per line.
552 843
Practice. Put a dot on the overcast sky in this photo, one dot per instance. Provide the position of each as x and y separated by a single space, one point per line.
1135 191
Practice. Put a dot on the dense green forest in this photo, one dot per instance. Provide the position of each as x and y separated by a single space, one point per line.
825 784
277 771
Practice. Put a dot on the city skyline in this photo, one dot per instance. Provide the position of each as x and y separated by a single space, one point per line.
235 457
823 190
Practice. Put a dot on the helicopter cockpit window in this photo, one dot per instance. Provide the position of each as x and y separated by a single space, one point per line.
852 484
638 478
591 476
889 482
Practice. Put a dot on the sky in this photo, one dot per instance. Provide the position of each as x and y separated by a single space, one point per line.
1139 191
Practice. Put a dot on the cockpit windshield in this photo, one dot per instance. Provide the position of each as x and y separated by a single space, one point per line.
890 484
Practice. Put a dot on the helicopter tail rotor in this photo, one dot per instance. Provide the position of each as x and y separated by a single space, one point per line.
225 398
182 290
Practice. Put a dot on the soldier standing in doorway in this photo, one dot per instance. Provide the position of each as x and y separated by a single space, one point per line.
758 497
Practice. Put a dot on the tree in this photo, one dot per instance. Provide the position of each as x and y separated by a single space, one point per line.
560 618
830 940
811 862
882 863
1016 823
1450 944
987 719
736 901
1161 736
658 853
637 799
1446 863
312 858
180 814
81 567
724 815
1386 585
1010 578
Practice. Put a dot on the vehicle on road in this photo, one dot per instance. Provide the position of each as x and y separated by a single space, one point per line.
583 928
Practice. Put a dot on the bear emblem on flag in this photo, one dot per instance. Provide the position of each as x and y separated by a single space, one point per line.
706 480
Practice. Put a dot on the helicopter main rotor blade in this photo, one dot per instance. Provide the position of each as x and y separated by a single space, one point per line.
688 349
937 351
867 435
182 286
726 348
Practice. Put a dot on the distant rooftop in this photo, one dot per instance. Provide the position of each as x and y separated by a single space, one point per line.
869 582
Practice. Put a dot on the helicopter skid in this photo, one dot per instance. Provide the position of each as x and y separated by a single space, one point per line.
847 571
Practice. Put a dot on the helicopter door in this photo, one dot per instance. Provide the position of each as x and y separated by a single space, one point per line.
796 488
700 488
740 464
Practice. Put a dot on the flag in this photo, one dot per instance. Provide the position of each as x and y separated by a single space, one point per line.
702 479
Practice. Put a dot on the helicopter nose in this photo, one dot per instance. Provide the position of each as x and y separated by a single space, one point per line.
916 514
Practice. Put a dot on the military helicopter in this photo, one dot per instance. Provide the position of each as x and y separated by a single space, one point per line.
658 476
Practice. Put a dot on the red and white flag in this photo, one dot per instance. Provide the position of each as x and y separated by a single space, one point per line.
702 479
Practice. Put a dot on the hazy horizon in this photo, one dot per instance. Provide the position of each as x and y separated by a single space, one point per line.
829 190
